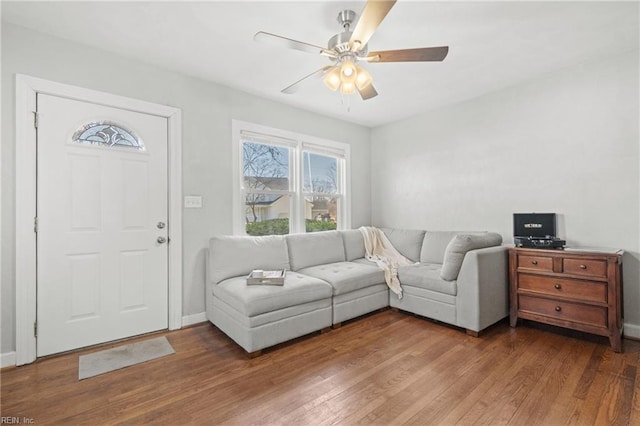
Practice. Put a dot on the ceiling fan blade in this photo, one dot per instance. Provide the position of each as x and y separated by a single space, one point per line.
423 54
295 86
372 15
367 92
281 41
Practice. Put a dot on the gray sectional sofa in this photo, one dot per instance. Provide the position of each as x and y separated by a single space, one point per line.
458 278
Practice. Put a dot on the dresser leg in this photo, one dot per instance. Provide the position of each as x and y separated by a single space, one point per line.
616 342
513 320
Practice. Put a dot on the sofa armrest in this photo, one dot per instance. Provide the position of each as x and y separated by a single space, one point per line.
483 288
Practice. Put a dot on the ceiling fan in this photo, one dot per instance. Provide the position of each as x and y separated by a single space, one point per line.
347 48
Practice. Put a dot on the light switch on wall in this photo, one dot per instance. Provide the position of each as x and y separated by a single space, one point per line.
193 202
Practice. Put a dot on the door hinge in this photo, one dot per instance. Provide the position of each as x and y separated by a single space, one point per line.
35 119
35 329
35 224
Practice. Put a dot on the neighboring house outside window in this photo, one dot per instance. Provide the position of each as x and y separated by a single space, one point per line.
288 183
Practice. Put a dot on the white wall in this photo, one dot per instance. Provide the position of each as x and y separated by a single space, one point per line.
207 111
565 143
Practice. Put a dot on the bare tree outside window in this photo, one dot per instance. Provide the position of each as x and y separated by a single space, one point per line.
266 180
321 188
288 183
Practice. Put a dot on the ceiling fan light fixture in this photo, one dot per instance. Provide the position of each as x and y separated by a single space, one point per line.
348 47
363 78
348 88
332 79
348 73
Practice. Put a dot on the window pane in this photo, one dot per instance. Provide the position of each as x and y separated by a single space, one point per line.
320 173
106 133
265 167
267 214
321 213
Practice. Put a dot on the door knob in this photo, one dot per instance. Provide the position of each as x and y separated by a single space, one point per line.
161 240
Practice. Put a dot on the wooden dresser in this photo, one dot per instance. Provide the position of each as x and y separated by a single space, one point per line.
581 290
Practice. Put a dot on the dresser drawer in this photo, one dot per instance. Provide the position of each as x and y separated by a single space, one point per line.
576 289
538 263
591 268
566 311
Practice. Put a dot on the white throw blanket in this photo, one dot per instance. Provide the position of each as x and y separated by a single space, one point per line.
379 249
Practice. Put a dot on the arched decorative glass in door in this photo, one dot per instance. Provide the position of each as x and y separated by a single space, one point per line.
108 134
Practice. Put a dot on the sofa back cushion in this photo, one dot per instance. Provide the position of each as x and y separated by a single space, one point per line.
316 248
459 246
353 244
407 241
233 256
434 245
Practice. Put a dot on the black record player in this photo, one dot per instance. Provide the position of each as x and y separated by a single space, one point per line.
532 242
536 230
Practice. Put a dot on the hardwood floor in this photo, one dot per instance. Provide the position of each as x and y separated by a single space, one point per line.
387 368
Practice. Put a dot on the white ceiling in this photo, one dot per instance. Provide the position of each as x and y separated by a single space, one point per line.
492 44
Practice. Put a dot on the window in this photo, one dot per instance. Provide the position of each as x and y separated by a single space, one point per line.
288 183
106 133
267 188
321 190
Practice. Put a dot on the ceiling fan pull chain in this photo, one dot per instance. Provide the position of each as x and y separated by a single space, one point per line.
345 100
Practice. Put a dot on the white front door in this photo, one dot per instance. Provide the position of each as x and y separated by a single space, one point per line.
102 208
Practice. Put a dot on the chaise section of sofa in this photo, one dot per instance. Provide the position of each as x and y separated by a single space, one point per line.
260 316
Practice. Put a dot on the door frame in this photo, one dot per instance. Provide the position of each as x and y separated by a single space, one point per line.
25 208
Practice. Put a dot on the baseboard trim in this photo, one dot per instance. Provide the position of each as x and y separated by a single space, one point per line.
7 359
194 319
631 331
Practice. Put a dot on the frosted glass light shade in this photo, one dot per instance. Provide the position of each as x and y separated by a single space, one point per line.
332 79
347 88
363 79
348 73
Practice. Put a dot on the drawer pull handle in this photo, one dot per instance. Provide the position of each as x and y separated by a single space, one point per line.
557 286
558 308
534 262
583 266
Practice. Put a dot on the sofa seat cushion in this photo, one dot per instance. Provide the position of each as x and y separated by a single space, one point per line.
253 300
426 276
346 276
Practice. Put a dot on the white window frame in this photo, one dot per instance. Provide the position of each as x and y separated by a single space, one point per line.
298 143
